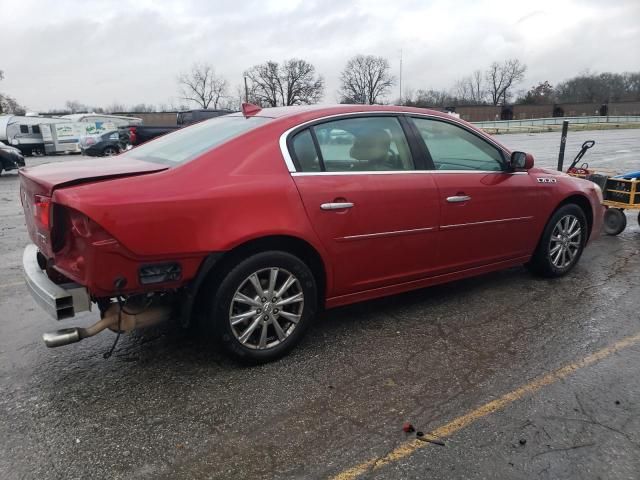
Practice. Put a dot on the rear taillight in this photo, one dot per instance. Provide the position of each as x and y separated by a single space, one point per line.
71 226
132 135
84 227
42 211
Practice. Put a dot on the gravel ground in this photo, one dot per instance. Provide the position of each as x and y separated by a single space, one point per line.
167 405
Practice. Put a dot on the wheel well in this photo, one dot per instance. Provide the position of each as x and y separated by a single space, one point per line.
293 245
584 204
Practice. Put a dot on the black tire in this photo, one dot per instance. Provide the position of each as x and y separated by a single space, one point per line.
110 151
638 218
615 221
218 312
542 263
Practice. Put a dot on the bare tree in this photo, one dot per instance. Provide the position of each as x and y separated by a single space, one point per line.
365 80
478 88
302 85
265 84
471 89
202 86
295 82
74 106
427 98
8 104
501 77
142 108
116 107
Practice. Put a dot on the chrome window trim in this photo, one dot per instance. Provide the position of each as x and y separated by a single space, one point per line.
292 168
404 172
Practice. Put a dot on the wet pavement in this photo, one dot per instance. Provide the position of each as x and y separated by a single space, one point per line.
167 405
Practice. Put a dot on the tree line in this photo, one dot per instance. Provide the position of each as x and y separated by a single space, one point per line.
366 79
497 86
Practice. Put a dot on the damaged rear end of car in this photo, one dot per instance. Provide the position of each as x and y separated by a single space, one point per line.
128 235
73 262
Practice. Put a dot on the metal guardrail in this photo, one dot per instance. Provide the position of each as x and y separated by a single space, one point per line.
539 122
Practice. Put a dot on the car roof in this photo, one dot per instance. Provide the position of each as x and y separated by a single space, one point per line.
327 110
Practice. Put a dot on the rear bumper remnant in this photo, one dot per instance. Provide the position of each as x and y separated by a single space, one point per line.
59 301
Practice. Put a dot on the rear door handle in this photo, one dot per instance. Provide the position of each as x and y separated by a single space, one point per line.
458 198
336 206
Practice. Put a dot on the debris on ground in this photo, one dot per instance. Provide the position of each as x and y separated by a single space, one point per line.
421 436
407 428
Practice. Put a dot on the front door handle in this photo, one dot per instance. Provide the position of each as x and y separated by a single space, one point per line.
336 206
458 198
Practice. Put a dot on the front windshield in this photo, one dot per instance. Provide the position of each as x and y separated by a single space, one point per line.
187 143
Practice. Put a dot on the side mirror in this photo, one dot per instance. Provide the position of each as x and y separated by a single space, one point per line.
521 161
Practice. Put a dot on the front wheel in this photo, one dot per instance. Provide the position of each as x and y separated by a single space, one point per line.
263 306
562 242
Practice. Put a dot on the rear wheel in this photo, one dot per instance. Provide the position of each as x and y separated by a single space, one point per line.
615 221
562 242
110 151
263 306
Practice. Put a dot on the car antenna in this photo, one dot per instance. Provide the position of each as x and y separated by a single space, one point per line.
249 109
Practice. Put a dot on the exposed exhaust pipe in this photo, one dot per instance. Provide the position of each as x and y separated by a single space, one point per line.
128 322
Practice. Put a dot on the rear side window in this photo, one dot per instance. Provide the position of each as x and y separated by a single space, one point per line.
363 144
187 143
305 152
36 129
454 148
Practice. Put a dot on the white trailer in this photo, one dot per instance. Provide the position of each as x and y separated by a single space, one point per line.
24 133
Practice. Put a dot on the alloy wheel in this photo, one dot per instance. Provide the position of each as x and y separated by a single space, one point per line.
266 308
566 241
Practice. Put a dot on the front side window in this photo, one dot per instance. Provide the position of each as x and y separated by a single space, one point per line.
454 148
354 145
24 129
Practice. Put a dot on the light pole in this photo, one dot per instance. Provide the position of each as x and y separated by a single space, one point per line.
400 81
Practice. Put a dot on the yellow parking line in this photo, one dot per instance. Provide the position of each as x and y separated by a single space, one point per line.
461 422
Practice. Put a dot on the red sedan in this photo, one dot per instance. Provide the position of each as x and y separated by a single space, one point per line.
251 222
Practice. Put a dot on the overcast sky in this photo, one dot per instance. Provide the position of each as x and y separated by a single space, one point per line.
131 51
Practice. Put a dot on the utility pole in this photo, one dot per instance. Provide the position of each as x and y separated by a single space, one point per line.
246 90
400 82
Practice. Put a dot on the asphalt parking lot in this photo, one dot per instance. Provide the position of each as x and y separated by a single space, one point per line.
518 377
